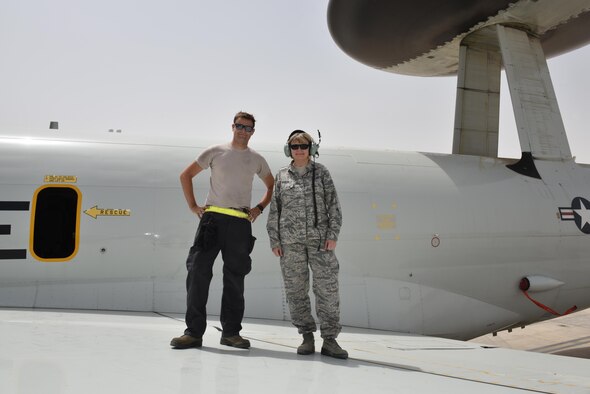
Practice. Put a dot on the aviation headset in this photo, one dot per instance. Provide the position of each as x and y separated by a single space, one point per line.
313 147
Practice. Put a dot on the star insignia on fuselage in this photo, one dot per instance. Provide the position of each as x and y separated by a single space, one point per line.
578 212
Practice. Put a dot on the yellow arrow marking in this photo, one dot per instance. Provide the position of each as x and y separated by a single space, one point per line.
94 212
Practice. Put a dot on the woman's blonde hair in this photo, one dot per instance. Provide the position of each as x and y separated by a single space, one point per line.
298 135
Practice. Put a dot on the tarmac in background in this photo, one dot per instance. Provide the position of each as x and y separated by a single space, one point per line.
565 336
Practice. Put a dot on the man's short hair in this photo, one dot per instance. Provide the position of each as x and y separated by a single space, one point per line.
245 115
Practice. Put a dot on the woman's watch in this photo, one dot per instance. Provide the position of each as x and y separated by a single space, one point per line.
259 206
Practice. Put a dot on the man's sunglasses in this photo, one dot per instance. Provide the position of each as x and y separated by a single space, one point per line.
248 129
299 146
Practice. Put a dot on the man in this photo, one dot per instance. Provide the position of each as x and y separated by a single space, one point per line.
226 227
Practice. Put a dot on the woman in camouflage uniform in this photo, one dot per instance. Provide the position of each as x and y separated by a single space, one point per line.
303 227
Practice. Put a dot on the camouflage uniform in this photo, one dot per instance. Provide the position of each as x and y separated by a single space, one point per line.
291 226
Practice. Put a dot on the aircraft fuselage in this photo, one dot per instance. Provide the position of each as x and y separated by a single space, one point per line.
431 244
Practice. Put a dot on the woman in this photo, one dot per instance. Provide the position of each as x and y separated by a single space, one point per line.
303 227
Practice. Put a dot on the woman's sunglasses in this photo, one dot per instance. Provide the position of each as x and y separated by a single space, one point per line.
299 146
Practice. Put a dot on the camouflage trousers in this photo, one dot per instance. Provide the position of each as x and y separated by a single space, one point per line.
296 262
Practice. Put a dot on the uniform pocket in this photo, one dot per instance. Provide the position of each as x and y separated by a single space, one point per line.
252 242
206 235
190 260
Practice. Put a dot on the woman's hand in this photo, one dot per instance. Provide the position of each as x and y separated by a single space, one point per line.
330 244
277 252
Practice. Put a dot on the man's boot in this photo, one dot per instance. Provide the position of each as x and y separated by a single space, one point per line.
235 341
332 349
308 345
185 342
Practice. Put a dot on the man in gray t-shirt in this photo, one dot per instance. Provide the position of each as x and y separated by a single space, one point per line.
226 227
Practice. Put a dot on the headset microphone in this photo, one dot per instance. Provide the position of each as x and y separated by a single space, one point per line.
318 144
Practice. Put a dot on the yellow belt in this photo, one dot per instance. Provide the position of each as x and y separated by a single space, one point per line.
227 211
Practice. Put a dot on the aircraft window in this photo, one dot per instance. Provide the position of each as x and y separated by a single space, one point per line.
56 223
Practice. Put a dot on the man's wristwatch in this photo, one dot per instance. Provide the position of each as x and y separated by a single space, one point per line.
259 206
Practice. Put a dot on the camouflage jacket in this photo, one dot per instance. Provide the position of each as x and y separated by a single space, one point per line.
291 218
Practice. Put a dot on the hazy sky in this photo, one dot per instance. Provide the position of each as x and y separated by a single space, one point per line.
164 69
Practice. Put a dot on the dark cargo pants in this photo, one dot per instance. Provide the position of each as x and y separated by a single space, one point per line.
232 237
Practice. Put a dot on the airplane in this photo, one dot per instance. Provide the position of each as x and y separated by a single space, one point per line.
448 245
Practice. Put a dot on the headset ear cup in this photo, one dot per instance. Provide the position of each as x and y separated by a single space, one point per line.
287 150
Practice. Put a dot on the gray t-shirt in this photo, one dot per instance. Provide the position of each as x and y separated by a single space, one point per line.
232 174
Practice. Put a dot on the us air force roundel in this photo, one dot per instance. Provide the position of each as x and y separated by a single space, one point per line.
578 212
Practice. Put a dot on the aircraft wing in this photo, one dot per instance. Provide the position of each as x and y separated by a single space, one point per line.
64 351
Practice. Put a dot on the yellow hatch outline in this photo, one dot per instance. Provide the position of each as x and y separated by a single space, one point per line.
32 225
